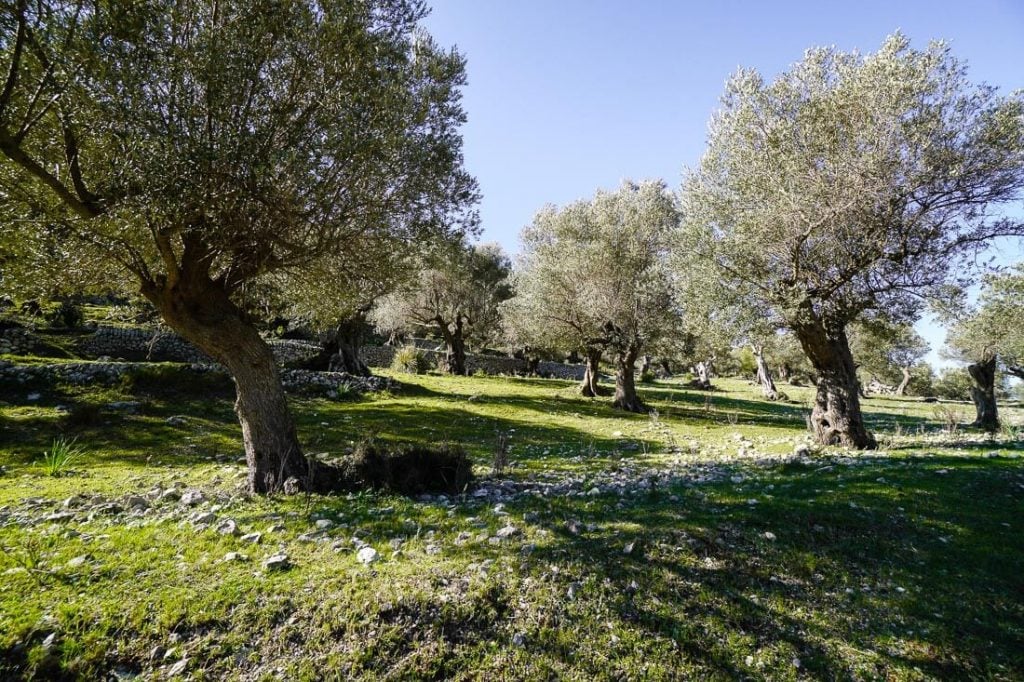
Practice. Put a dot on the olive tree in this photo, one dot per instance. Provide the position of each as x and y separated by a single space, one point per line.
456 295
192 149
853 184
887 351
991 334
593 277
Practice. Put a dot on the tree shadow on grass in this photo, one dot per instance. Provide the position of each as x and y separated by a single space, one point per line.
941 576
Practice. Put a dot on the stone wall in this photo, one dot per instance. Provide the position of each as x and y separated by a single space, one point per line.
17 341
381 356
161 346
142 345
331 384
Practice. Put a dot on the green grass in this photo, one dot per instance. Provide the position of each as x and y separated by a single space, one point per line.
903 564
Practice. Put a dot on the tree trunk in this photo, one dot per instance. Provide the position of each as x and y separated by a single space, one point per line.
588 387
983 393
784 372
764 375
836 418
455 346
645 364
703 371
201 312
902 388
340 349
625 382
349 337
666 368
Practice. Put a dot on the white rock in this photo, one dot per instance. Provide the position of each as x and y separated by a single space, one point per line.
507 532
178 668
367 555
324 524
77 562
192 497
228 527
768 535
253 538
277 562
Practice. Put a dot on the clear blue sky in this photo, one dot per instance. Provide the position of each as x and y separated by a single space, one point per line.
566 96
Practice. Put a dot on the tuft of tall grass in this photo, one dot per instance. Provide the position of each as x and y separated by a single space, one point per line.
62 453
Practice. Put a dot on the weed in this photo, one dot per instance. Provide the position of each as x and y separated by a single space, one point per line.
950 418
60 455
409 359
500 459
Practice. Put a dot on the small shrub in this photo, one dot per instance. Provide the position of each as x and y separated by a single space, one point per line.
409 359
60 455
480 373
647 377
67 314
408 468
950 417
500 459
84 415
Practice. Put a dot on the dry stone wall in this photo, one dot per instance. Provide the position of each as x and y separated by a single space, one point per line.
381 356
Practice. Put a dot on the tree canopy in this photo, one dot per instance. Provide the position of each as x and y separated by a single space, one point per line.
192 149
854 183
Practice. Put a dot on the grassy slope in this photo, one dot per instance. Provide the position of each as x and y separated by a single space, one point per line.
905 566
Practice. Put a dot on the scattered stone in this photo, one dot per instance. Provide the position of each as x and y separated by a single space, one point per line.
130 406
137 502
190 498
628 549
768 535
595 491
234 556
507 532
58 517
802 450
367 555
204 518
170 495
252 538
323 524
77 562
228 527
178 668
277 562
519 639
176 420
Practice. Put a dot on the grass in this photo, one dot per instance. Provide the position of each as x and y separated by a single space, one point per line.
903 564
61 454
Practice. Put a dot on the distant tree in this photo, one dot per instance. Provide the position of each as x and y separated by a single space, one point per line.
457 295
887 351
849 186
593 277
193 149
990 335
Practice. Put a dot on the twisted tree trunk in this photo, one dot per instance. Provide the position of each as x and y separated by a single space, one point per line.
588 387
201 311
902 388
983 393
703 371
764 375
340 348
626 397
455 345
836 418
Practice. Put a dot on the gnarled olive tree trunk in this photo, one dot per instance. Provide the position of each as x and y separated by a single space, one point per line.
201 311
902 388
455 345
588 387
983 393
703 371
764 375
340 348
626 397
836 418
